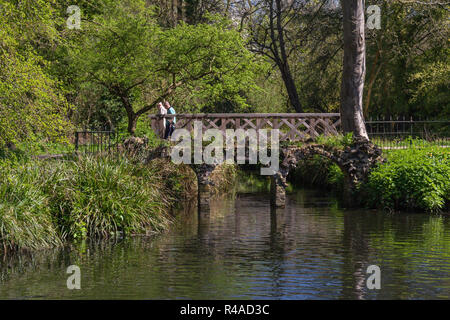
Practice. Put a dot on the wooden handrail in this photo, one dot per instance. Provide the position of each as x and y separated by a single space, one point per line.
245 115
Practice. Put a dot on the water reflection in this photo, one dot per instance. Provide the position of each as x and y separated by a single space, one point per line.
242 248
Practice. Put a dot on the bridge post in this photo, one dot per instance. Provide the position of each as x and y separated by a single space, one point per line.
204 183
278 190
204 196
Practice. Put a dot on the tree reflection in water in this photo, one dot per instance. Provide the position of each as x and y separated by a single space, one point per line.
242 248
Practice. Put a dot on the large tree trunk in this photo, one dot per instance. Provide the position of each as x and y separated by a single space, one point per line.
283 63
291 88
132 116
132 123
354 69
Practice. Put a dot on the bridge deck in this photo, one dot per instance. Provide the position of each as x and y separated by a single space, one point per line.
292 126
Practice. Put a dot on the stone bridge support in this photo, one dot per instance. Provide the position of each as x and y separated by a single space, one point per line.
355 161
205 184
278 186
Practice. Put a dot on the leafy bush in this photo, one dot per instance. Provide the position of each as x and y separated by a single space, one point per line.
318 172
411 179
338 141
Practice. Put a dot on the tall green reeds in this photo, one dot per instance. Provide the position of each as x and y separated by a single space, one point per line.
104 197
25 216
44 203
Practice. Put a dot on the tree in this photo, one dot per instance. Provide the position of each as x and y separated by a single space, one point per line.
270 22
31 105
354 69
317 67
129 54
409 43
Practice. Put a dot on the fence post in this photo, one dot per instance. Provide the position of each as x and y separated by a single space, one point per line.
76 141
411 130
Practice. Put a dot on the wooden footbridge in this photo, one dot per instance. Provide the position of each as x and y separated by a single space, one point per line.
355 161
292 126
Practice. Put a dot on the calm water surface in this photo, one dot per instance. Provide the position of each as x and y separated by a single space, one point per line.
244 250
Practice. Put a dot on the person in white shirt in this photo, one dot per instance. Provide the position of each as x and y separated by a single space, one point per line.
160 129
170 123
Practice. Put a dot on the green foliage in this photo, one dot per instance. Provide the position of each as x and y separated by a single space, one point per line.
211 64
338 141
102 197
44 203
318 172
250 182
411 179
335 177
433 83
133 53
12 156
25 216
31 104
124 51
317 66
407 60
144 129
409 142
269 96
224 176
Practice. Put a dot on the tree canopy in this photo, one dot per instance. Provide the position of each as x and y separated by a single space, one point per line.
139 63
32 103
209 56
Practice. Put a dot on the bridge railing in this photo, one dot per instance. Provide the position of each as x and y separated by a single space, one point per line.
292 126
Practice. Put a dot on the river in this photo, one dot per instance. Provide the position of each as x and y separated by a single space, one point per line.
243 249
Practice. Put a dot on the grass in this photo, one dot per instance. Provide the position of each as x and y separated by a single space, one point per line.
250 182
337 141
26 220
224 177
104 197
43 203
404 143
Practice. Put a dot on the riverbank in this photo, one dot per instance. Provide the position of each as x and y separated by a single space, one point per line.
45 203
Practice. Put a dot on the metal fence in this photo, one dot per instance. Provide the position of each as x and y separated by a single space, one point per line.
388 133
404 132
96 141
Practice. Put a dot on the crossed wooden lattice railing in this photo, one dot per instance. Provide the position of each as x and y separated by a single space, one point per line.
292 126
